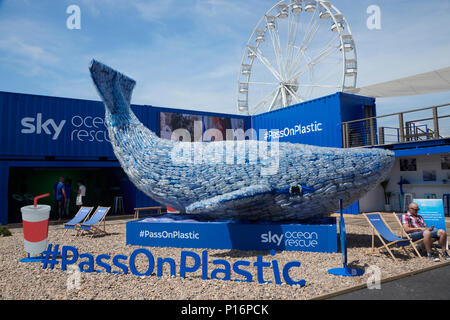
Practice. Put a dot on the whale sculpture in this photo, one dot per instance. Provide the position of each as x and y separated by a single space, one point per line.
233 179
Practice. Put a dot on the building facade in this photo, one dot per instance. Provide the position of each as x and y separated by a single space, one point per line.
43 138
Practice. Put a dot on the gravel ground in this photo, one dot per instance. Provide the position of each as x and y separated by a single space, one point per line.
29 281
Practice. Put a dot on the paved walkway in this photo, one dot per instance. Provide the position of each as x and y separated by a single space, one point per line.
429 285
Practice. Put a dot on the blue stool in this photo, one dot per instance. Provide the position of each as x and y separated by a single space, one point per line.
118 205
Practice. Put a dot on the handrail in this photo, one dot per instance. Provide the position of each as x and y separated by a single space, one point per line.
370 131
402 112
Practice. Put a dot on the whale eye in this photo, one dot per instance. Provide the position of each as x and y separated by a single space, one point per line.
296 190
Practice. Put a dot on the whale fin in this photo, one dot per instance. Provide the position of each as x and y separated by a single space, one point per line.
219 201
114 87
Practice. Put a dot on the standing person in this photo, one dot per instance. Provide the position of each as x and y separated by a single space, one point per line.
414 224
81 193
60 196
67 190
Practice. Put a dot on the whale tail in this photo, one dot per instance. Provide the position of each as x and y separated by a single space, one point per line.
114 88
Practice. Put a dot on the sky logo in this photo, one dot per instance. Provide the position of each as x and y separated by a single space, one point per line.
35 125
271 238
302 239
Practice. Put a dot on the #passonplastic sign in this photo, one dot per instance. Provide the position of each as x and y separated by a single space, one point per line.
190 262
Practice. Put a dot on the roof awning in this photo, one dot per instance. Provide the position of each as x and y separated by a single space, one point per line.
424 83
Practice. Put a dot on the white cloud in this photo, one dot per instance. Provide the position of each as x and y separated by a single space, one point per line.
154 10
20 49
184 95
222 71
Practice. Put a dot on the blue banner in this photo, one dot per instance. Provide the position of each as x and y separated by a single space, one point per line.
179 231
432 211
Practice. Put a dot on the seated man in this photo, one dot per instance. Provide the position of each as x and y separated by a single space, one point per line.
416 228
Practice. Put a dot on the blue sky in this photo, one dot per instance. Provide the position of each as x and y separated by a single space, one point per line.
187 54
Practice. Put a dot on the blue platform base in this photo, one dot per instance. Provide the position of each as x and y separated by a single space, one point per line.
346 272
187 231
32 259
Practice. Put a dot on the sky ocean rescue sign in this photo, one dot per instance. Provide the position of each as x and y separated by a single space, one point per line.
318 235
84 128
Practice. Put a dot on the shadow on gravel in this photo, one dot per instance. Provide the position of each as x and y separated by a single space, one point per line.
356 264
95 236
240 253
365 241
361 241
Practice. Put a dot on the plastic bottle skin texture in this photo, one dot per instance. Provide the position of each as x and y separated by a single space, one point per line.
241 180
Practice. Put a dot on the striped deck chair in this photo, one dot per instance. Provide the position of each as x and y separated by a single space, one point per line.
80 217
96 224
387 237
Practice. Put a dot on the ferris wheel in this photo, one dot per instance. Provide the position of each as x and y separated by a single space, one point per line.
298 51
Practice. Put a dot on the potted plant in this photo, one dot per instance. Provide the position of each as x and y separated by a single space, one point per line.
4 232
387 195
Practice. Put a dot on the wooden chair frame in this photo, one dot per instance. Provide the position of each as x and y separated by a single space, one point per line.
94 229
385 245
77 226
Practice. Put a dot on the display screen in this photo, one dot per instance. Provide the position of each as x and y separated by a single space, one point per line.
195 127
169 122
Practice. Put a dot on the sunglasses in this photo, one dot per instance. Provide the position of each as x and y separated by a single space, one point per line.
417 209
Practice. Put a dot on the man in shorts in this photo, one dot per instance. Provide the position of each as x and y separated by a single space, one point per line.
415 226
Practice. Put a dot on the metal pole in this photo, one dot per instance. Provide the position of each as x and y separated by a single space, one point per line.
402 129
342 234
345 135
372 131
345 270
381 135
436 123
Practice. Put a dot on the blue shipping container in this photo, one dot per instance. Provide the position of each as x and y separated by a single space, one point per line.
73 132
315 122
40 126
66 133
